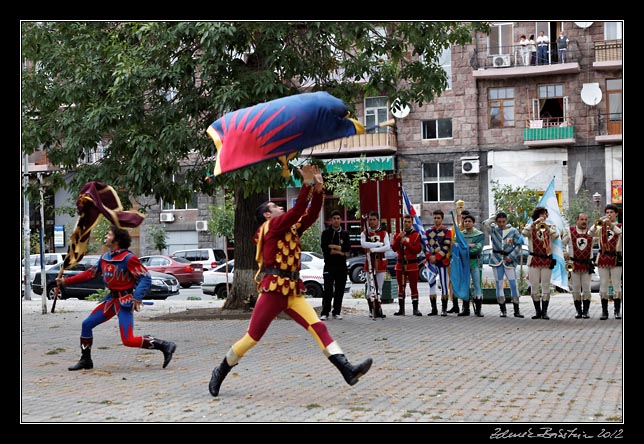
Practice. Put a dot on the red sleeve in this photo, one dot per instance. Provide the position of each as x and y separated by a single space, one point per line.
395 245
311 214
285 221
82 276
414 245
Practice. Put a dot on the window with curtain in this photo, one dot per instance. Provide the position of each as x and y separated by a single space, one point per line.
501 107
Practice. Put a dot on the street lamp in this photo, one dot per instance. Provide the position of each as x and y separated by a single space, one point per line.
597 198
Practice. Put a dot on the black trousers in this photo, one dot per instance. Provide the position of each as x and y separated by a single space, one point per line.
334 283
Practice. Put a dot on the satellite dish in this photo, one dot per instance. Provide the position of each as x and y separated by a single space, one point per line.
398 111
579 178
591 94
584 25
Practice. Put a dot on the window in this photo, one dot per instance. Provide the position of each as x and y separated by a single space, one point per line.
183 203
501 106
551 105
614 102
437 129
612 30
438 182
445 61
376 111
500 39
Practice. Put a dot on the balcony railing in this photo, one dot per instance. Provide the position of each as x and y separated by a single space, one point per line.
608 51
383 142
516 56
557 130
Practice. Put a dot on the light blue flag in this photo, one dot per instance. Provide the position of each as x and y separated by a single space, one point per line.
459 274
549 202
429 271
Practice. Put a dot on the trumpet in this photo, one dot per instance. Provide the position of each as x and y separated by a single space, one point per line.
601 221
569 266
542 226
460 204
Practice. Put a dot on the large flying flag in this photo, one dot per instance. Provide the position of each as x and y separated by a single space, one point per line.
429 271
279 129
95 200
549 201
460 264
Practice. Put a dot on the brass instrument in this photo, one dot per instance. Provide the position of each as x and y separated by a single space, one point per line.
599 223
542 226
459 213
569 267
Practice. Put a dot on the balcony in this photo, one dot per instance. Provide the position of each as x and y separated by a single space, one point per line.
608 55
514 61
384 142
549 132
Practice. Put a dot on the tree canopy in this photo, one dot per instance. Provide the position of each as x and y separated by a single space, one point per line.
144 94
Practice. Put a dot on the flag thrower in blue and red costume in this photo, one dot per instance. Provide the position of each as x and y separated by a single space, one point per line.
280 129
95 199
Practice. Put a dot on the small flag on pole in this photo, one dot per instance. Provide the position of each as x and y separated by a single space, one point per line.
429 271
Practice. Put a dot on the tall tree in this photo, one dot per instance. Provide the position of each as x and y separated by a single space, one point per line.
146 92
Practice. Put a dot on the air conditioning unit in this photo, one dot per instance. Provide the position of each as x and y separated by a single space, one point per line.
470 166
501 60
201 225
166 217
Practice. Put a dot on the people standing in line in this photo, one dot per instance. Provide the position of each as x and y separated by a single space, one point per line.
278 256
524 50
562 46
542 48
578 250
475 239
336 244
541 262
375 241
127 281
439 244
609 261
407 245
506 254
532 45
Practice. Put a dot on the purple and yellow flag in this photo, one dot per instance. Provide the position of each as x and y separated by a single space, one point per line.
95 200
279 128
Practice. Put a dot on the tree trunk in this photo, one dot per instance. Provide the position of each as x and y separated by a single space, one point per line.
244 289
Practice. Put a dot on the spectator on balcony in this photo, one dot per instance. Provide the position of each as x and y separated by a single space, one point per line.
532 46
524 49
542 49
562 46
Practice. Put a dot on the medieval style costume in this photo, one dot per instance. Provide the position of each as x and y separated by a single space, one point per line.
579 243
407 245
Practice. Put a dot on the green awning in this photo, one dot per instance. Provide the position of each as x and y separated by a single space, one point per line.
351 164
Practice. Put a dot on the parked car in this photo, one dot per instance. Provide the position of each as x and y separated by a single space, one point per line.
163 285
209 258
312 259
187 273
488 272
51 259
214 281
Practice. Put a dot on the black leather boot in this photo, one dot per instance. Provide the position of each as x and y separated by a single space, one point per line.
466 309
415 305
504 313
586 304
537 309
167 347
604 315
218 376
434 311
85 361
618 305
350 372
579 315
544 309
443 307
517 312
370 304
401 305
478 303
454 308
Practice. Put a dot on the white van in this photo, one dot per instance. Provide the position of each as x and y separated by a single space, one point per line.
208 257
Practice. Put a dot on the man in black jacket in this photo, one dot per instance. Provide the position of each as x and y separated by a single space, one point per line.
336 245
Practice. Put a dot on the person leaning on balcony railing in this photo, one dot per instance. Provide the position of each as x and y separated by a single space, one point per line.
524 48
532 46
562 46
542 49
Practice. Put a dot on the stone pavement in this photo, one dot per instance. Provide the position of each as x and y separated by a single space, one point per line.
436 369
